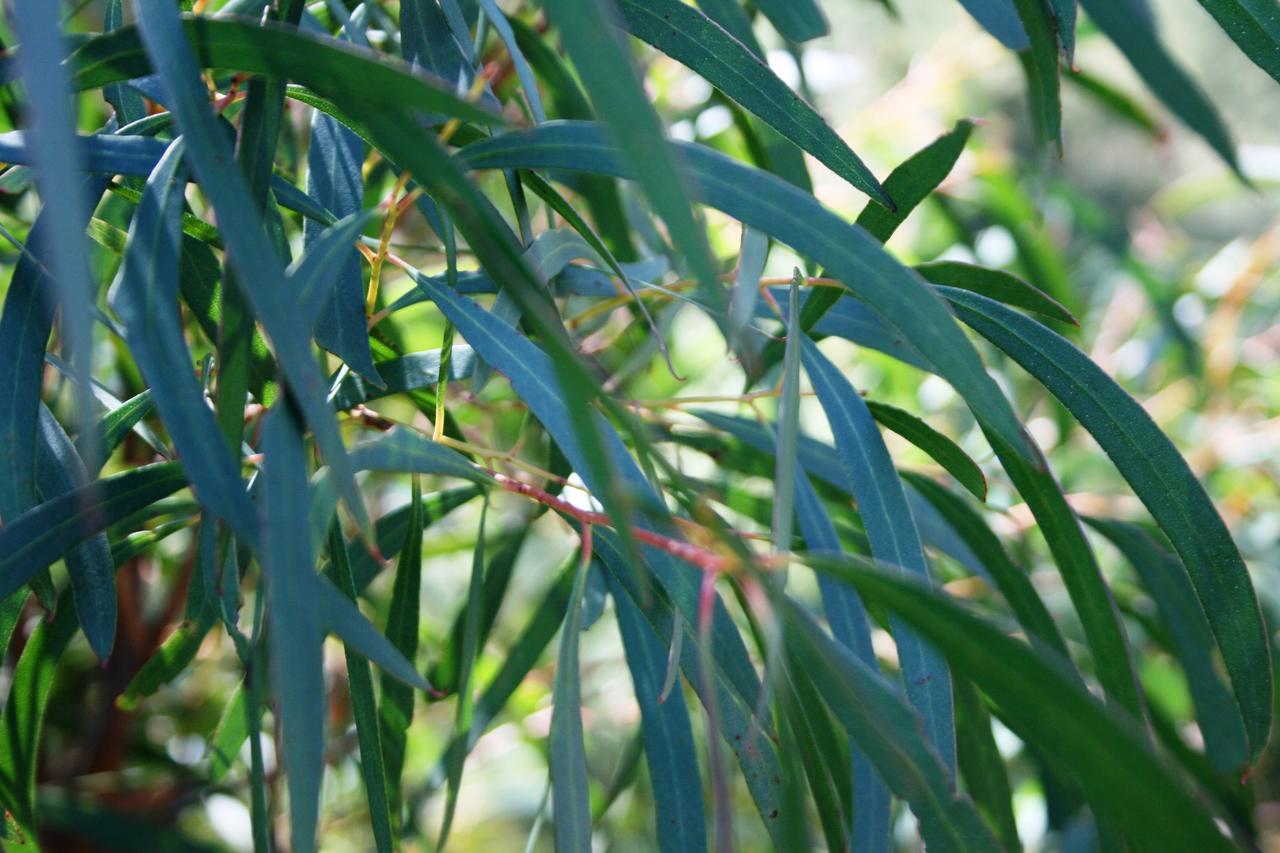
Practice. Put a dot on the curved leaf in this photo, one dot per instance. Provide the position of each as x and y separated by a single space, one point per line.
146 299
690 37
47 532
1147 798
882 503
1165 484
334 68
769 204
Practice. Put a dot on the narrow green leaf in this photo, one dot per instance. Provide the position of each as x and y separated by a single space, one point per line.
467 656
22 721
339 616
296 629
731 687
882 503
337 69
693 39
1134 33
1000 18
788 427
1145 797
1078 567
146 299
884 726
769 204
1254 25
1221 724
570 786
24 331
258 267
364 709
46 533
1162 480
609 76
998 285
92 573
669 747
1041 63
53 124
113 425
914 179
982 766
395 712
795 20
524 72
411 372
869 801
943 450
228 737
169 661
334 179
1010 579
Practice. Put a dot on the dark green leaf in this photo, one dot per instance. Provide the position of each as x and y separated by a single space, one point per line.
1161 478
689 37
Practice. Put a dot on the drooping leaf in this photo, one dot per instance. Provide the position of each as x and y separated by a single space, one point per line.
395 711
296 623
335 181
47 532
146 299
998 285
570 786
60 470
364 709
891 529
53 124
668 737
792 217
1226 744
334 68
795 20
1136 791
1041 63
870 806
1132 31
258 267
1254 25
606 71
1161 478
690 37
943 450
884 726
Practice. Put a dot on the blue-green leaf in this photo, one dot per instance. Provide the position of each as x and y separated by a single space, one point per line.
146 299
609 77
1225 743
690 37
791 216
53 124
848 620
1162 479
1134 33
89 565
259 269
795 20
882 503
569 783
294 608
334 180
47 532
668 737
